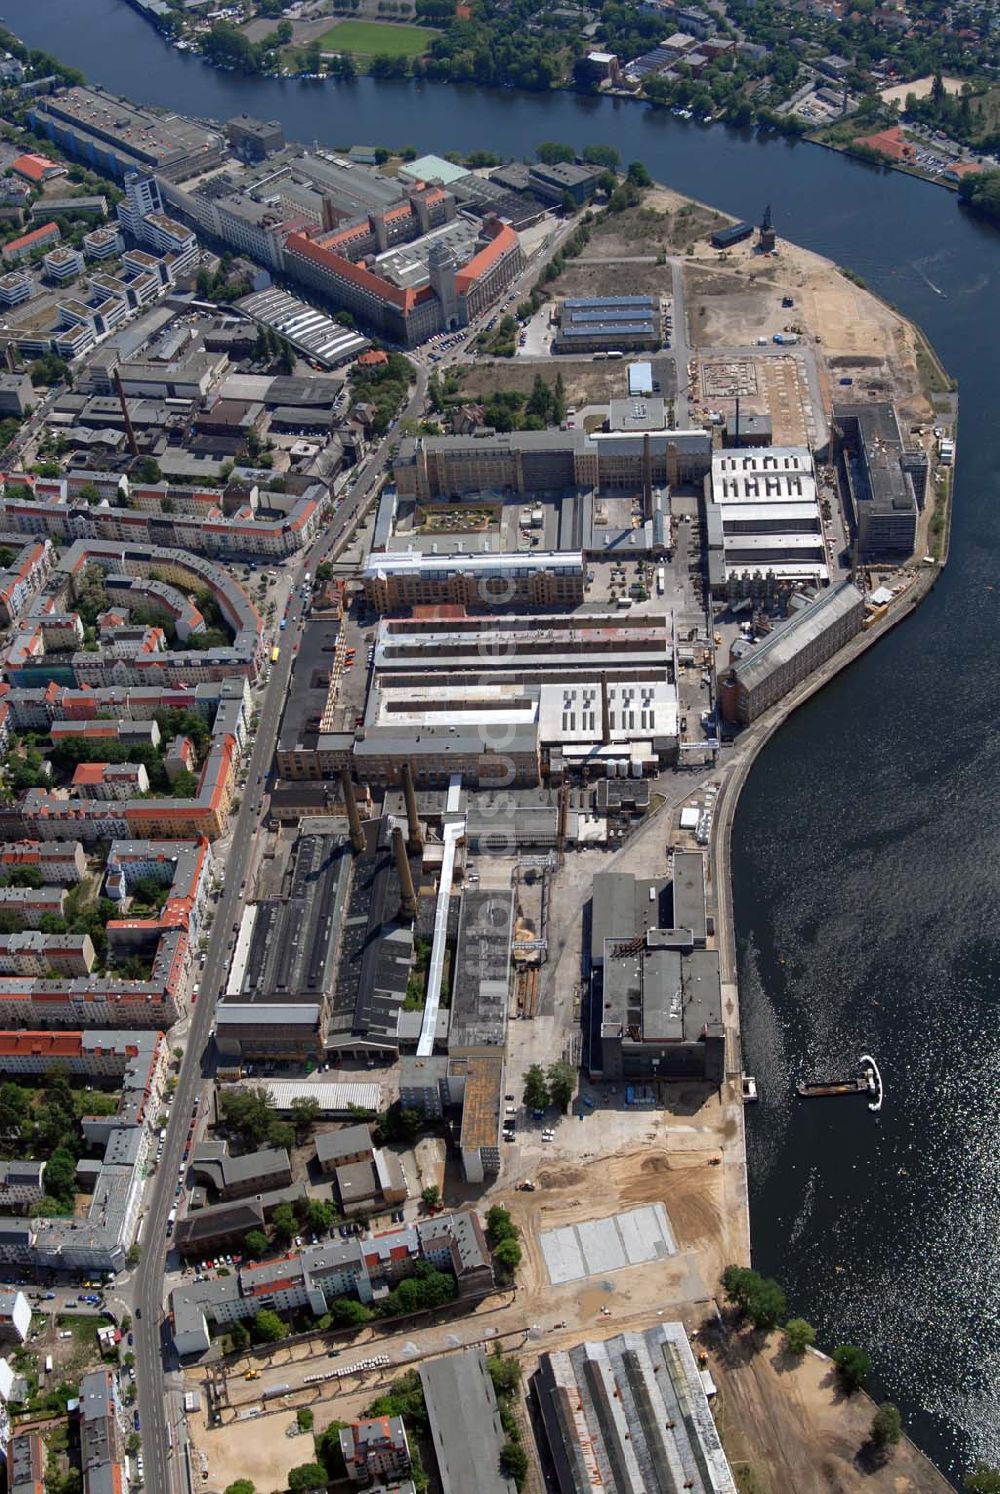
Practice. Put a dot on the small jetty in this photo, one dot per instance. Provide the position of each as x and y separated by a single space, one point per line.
867 1081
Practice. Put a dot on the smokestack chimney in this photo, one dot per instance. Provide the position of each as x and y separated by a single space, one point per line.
129 432
605 712
415 838
353 817
407 896
326 214
736 434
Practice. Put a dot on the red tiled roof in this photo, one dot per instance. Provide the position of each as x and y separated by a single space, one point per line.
891 143
36 236
504 239
35 168
89 773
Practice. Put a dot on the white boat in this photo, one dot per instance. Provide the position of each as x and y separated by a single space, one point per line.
749 1089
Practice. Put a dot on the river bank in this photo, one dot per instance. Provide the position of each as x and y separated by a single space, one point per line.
863 851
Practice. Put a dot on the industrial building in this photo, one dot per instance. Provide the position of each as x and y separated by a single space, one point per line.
882 481
115 136
630 1413
366 1017
763 519
564 693
254 139
608 323
488 582
466 1429
536 461
411 270
817 628
276 997
309 745
320 337
656 995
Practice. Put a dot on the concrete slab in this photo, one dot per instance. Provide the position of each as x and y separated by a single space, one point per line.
599 1246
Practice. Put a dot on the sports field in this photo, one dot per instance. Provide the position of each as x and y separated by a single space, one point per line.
377 38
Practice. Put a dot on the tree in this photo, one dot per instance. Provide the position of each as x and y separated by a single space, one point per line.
553 152
500 1226
853 1366
304 1419
759 1298
256 1244
505 1371
506 1259
283 1224
799 1335
328 1449
887 1426
319 1216
147 469
536 1091
239 1335
562 1083
602 155
514 1461
305 1477
305 1112
638 175
982 1479
268 1327
431 1196
240 1486
347 1312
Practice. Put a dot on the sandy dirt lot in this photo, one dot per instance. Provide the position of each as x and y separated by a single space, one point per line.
733 302
791 1419
920 88
586 383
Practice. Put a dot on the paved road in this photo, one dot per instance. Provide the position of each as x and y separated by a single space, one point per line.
153 1349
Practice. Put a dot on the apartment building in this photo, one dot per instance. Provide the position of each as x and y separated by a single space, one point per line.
319 1274
23 577
43 237
101 1418
58 861
32 953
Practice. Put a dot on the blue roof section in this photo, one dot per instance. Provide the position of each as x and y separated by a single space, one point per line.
590 328
602 303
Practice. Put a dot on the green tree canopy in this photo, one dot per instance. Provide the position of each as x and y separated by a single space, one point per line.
536 1091
887 1425
982 1479
562 1082
853 1366
758 1298
256 1244
268 1327
799 1335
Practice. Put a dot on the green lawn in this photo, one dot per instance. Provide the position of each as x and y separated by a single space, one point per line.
377 38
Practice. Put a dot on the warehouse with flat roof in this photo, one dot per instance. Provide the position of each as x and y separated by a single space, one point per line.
608 323
466 1429
630 1413
791 652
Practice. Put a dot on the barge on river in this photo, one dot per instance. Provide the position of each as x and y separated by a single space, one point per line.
867 1081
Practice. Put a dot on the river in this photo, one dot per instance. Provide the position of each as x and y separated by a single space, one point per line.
866 860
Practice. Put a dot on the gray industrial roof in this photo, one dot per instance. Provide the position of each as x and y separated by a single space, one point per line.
465 1423
785 642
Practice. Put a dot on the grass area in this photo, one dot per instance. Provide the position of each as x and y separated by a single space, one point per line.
933 379
377 39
